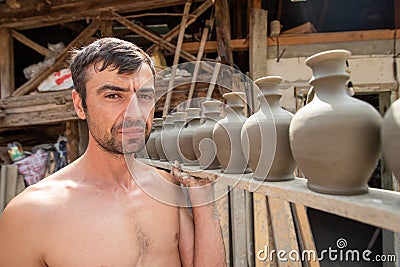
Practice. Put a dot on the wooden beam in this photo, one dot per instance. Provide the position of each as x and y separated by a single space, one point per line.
152 36
72 135
6 64
257 45
36 14
45 115
29 43
175 31
106 28
176 57
223 28
396 10
32 84
13 4
314 38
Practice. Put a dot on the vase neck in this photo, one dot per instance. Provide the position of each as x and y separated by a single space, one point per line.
330 86
215 116
271 99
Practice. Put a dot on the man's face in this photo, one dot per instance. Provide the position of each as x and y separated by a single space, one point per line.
120 108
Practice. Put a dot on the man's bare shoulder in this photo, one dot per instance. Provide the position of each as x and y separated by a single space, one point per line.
40 197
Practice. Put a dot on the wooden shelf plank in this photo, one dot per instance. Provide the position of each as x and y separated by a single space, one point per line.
302 39
378 207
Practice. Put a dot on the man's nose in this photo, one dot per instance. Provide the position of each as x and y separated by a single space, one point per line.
133 110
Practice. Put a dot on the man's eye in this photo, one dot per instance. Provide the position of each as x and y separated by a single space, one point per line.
146 96
112 96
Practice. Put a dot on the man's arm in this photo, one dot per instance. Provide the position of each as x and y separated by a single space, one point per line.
205 237
19 237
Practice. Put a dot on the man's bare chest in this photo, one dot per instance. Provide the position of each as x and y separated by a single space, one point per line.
112 235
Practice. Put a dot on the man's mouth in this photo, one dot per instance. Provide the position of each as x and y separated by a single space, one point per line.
132 132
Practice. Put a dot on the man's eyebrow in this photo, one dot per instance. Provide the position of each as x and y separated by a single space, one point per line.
146 89
107 87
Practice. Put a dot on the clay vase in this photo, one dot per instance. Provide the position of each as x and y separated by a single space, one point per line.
226 135
265 135
335 139
186 149
166 134
204 146
170 140
151 142
159 148
391 138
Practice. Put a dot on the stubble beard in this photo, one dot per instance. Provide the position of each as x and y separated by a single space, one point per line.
116 145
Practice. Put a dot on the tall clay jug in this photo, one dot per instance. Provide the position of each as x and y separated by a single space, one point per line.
151 142
170 140
159 147
335 139
166 136
186 149
226 135
391 138
204 146
265 135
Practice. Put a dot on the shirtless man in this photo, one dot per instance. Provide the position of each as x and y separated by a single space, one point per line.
92 213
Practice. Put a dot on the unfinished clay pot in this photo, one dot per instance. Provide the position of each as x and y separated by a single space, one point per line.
170 139
159 148
226 135
186 149
391 138
265 135
151 142
335 139
204 146
166 134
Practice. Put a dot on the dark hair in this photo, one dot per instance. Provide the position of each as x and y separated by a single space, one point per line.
112 53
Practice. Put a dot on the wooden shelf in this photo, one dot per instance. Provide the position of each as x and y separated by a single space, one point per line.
378 207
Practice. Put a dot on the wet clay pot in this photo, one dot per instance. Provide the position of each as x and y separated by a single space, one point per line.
170 139
204 146
159 147
186 149
265 135
335 139
166 135
226 135
391 138
151 142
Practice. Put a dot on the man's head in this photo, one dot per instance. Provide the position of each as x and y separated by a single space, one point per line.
114 91
105 53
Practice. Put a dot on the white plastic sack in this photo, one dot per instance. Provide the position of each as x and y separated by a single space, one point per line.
59 80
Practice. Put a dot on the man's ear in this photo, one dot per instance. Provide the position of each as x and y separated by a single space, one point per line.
76 98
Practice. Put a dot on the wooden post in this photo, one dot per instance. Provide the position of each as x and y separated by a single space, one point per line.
106 27
29 43
238 226
176 58
200 53
175 31
263 234
6 64
223 28
72 135
83 136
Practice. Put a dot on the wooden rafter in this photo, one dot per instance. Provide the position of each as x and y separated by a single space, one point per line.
32 84
175 31
151 36
36 14
28 42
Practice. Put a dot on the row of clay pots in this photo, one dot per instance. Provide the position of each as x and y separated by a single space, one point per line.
335 139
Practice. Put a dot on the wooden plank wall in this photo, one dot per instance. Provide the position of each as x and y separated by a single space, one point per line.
6 63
